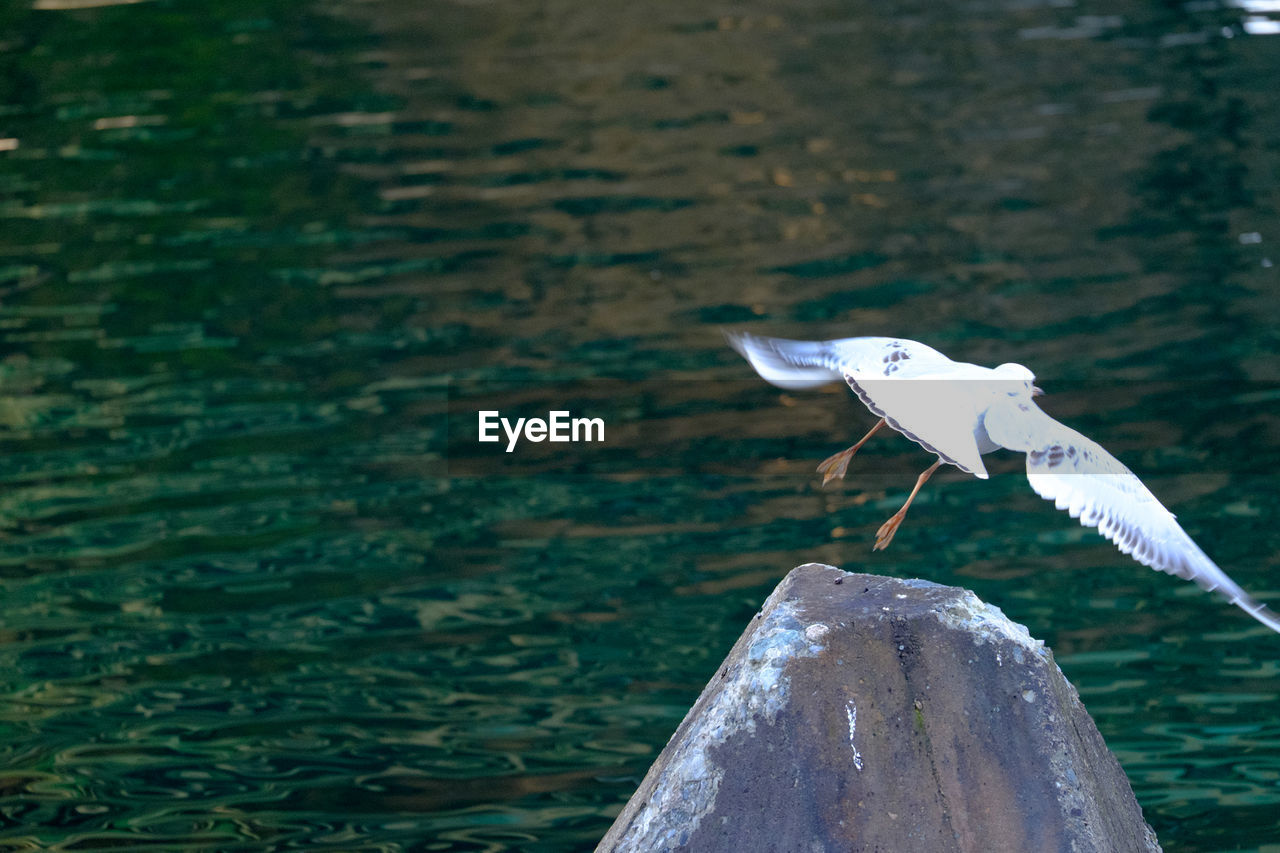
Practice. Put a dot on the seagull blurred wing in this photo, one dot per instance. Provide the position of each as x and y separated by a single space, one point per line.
886 357
1078 475
807 364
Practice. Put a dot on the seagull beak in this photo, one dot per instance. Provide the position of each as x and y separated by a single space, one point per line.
1036 391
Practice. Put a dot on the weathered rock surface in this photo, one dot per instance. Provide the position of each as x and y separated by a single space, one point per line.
863 713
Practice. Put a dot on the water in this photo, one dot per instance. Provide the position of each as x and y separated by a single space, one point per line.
263 263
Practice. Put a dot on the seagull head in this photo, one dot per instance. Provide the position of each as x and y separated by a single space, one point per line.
1024 377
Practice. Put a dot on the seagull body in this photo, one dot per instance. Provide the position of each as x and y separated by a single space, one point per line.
960 412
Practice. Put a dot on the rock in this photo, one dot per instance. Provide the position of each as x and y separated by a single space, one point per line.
864 713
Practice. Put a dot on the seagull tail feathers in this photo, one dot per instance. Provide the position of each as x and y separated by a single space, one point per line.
793 365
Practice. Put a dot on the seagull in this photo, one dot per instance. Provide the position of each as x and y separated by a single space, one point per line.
959 412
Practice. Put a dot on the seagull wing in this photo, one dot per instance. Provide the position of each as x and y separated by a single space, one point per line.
936 411
933 409
919 392
1078 475
807 364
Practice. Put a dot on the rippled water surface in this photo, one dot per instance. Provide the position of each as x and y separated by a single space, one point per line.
262 264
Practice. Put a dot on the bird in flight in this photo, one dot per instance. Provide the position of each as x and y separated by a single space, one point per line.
959 412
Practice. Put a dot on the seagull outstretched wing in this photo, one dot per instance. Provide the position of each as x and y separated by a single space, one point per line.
1078 475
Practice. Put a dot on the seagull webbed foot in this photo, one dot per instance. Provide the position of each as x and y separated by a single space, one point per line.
835 465
885 534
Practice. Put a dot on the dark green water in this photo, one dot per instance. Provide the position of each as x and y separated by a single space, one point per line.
262 264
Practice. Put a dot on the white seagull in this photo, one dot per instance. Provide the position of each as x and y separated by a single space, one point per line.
961 411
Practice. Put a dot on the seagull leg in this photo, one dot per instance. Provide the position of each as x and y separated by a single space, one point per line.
885 534
837 464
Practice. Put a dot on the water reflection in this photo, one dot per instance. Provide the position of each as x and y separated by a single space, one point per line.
263 590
